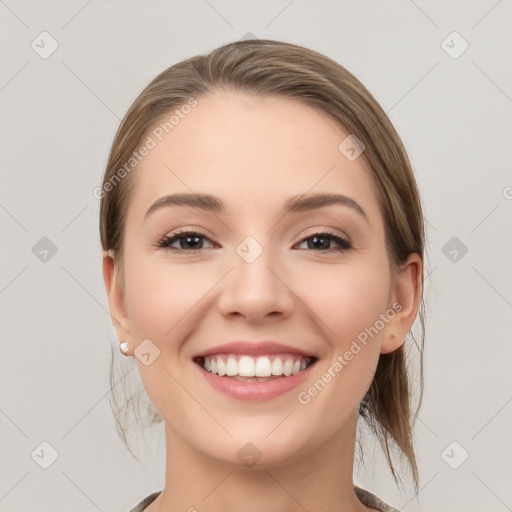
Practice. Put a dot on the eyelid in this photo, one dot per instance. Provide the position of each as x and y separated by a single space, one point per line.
189 229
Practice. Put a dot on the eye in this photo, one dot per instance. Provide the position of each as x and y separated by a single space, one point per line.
323 240
192 241
188 241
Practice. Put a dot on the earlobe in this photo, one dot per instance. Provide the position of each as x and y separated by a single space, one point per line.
390 343
115 294
406 293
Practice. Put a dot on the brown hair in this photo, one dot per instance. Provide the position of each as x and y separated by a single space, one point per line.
267 67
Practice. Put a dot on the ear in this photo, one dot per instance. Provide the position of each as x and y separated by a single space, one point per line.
116 300
405 295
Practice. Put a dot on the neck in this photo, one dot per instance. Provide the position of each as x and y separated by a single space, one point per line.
319 481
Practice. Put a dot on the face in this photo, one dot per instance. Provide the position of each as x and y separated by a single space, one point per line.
304 285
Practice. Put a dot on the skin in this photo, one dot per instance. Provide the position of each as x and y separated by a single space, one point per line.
253 153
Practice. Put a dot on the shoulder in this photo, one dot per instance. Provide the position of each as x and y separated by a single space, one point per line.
145 502
372 501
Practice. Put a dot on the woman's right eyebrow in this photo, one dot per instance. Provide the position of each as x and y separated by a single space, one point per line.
199 200
294 204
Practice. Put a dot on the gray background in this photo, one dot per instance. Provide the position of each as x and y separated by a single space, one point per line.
58 117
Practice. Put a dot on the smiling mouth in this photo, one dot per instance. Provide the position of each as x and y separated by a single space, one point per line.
254 369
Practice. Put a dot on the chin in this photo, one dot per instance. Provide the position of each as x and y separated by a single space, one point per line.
256 449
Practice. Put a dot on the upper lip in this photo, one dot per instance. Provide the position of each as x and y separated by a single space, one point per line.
254 348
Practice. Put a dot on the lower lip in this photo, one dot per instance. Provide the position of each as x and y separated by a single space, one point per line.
254 391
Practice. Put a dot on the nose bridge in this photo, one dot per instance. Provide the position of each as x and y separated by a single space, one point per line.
254 288
253 263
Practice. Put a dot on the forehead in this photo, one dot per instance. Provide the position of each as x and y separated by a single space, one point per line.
251 151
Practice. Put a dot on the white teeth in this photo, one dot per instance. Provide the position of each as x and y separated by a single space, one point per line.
288 367
246 367
221 367
277 366
259 368
231 367
263 367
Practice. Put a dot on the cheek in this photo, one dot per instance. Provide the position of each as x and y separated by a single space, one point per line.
348 298
160 295
164 300
350 301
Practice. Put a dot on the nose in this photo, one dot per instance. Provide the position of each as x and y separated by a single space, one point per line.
257 290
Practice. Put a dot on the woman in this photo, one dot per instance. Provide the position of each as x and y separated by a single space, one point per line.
263 259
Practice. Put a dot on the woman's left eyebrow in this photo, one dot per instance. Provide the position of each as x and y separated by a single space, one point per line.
304 202
294 204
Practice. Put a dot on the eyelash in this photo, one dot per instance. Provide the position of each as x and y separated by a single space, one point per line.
166 241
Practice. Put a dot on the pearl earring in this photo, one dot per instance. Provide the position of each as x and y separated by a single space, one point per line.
123 347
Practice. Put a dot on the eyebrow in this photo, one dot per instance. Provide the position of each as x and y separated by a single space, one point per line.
294 204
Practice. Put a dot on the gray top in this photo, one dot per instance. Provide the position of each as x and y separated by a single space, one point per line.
364 496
